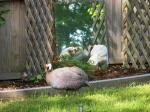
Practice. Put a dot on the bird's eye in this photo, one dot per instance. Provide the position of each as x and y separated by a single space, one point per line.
48 68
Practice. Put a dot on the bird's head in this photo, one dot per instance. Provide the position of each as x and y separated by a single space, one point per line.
48 67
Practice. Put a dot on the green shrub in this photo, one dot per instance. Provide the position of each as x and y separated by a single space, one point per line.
89 69
37 78
83 65
3 11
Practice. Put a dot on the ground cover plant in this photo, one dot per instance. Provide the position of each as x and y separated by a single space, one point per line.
134 98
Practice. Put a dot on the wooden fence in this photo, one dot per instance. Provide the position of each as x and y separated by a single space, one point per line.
39 34
107 29
99 23
127 32
27 39
12 41
136 33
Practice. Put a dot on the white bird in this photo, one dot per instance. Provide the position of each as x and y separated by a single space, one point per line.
98 55
82 55
68 78
69 51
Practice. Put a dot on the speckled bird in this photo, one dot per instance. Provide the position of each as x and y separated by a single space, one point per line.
68 78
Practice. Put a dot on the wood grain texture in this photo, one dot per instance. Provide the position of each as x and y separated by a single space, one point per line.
10 76
12 39
114 29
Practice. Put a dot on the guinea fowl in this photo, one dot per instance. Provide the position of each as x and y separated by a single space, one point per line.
99 56
68 78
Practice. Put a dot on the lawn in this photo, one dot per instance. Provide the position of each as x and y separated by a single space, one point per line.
135 98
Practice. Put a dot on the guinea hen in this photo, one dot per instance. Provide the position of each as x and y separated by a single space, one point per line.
68 78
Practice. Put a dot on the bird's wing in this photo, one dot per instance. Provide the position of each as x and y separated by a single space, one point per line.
68 77
79 72
73 81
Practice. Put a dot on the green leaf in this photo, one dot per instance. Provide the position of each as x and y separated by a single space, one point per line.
2 12
39 77
32 78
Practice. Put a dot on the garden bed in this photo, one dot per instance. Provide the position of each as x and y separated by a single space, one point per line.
47 90
111 73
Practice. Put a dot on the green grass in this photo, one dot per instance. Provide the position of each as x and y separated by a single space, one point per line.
135 98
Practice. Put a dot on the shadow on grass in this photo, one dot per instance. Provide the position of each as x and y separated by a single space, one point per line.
60 103
128 99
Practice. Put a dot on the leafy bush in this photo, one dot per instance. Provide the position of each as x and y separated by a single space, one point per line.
37 78
66 57
89 69
3 11
93 11
71 62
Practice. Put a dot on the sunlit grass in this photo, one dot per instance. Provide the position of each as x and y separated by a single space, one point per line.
128 99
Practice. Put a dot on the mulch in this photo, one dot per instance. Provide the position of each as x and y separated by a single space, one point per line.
114 71
117 71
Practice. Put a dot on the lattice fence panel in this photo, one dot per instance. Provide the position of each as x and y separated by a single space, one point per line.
136 33
39 34
99 23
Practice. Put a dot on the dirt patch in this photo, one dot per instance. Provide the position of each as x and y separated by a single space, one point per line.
116 71
112 72
19 84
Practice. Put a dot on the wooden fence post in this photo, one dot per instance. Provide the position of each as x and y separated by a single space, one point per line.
114 30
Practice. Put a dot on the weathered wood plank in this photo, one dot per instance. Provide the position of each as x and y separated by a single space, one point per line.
8 76
114 29
5 42
12 39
